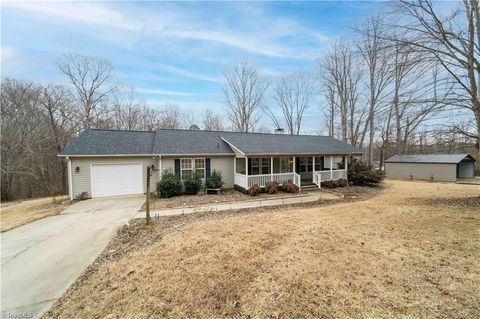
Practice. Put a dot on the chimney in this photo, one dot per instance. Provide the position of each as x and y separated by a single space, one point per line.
279 130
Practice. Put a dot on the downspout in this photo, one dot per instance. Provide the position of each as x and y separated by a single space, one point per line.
70 182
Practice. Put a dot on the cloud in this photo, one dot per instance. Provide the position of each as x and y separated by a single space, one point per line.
186 73
82 12
164 92
259 35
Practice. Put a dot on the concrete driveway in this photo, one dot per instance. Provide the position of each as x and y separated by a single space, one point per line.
42 259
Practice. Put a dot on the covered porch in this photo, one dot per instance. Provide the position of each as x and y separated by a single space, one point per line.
300 170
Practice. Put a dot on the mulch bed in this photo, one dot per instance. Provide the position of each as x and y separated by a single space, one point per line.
227 196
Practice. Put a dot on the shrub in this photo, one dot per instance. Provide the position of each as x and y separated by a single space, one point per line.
214 181
330 184
272 187
290 187
193 183
254 190
360 173
367 178
169 185
342 182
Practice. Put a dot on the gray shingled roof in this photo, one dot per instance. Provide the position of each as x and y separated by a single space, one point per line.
188 142
287 144
429 158
110 142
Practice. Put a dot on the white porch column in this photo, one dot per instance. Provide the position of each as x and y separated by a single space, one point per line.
234 166
70 182
346 166
293 168
246 172
331 167
313 170
271 168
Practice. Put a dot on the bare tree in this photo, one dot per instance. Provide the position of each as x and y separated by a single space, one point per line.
374 50
244 92
170 117
90 77
340 76
128 110
453 40
212 122
293 95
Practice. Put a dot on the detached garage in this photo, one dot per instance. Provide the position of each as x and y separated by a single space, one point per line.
439 167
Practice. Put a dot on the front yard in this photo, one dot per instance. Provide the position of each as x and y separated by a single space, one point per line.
410 250
21 212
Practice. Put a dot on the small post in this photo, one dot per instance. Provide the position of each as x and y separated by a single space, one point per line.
147 219
271 168
331 167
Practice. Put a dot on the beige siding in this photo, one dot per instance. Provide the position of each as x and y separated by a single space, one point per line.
223 164
81 181
440 172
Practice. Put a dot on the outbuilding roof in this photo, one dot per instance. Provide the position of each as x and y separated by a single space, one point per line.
93 142
430 158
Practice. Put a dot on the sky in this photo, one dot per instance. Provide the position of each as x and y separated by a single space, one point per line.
176 52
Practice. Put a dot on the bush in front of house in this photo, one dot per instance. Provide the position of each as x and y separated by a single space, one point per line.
214 181
192 183
272 187
289 187
360 173
169 185
254 190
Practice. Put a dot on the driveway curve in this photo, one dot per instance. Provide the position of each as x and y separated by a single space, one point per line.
42 259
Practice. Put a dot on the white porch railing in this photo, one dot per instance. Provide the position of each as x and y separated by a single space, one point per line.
328 175
241 180
262 180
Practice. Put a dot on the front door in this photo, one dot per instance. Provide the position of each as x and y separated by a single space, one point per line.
304 167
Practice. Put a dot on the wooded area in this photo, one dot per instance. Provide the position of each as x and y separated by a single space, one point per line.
405 83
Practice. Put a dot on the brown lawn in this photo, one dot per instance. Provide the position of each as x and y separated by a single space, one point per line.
21 212
412 251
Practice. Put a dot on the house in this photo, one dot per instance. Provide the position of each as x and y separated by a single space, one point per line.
440 167
113 162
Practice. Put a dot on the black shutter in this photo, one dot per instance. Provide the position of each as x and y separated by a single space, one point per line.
207 168
297 165
177 167
249 161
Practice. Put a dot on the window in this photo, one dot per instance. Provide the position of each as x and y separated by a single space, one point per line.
286 164
319 163
189 165
306 164
259 165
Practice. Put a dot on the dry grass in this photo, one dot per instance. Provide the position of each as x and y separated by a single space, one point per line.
401 254
21 212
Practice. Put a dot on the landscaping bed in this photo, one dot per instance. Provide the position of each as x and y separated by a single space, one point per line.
227 196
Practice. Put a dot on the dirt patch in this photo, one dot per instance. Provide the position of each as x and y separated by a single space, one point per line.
21 212
227 196
386 256
470 201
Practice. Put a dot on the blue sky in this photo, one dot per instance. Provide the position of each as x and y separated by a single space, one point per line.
175 51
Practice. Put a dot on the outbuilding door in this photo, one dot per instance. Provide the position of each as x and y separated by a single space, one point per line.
116 179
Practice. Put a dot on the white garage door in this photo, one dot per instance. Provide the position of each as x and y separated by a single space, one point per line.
116 179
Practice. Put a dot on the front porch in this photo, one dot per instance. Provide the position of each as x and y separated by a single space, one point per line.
300 170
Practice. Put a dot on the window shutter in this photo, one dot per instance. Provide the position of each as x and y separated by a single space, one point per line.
177 167
297 165
249 161
207 168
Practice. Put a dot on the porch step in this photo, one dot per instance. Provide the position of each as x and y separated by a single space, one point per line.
309 186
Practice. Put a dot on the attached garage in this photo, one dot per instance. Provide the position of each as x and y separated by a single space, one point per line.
116 179
440 167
